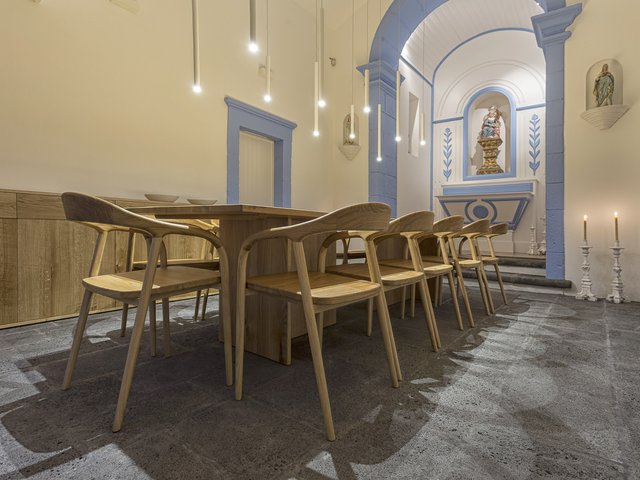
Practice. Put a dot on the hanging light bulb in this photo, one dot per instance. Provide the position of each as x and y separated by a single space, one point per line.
352 132
253 43
196 48
398 137
367 107
267 94
316 86
379 157
321 101
423 142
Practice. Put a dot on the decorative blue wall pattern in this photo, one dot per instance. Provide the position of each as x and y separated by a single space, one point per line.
447 150
534 142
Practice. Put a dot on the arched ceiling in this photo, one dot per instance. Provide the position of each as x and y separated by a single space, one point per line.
458 21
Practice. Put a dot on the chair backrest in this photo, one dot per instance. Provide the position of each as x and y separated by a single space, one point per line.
479 226
498 229
96 212
451 224
372 216
412 222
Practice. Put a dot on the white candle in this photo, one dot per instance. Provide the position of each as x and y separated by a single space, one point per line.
585 229
615 223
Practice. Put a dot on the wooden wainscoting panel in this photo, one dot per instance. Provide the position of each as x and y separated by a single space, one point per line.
7 205
40 206
8 271
54 256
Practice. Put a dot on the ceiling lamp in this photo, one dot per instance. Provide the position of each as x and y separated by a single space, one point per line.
379 157
196 48
267 93
423 140
367 107
398 137
320 46
253 43
316 84
352 131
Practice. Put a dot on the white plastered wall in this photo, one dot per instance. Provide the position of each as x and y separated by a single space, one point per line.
97 99
602 167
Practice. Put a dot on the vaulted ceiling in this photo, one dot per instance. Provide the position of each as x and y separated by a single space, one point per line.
458 21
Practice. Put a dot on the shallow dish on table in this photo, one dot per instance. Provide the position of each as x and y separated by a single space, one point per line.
200 201
159 197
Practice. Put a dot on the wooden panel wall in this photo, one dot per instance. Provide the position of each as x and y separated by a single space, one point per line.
43 257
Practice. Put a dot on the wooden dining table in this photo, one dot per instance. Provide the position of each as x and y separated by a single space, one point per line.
271 323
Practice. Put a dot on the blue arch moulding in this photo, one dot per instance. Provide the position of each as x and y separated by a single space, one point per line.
398 23
512 136
244 117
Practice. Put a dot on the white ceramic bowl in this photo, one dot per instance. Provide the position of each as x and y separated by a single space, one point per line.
158 197
201 201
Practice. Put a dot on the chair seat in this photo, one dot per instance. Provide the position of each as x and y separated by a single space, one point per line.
469 263
487 260
326 288
431 269
211 264
391 276
128 285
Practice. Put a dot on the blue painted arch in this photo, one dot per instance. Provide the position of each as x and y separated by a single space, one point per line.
398 23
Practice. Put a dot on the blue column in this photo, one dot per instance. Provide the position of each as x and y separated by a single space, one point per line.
383 175
550 29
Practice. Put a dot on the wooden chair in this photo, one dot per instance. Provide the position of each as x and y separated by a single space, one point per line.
393 277
440 265
142 287
204 261
491 258
319 291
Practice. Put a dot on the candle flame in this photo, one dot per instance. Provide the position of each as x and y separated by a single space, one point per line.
615 214
585 218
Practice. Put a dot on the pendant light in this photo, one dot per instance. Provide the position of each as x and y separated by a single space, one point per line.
367 108
267 94
423 140
196 48
398 81
321 100
253 42
352 132
316 83
379 157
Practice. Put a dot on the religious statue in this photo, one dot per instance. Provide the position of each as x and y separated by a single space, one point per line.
346 130
603 87
490 141
491 124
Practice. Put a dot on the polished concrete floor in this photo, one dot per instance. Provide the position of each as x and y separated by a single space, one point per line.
547 388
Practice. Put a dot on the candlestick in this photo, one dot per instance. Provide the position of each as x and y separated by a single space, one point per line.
585 229
615 223
585 292
617 294
542 249
533 244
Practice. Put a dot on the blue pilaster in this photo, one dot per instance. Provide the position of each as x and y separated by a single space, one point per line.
551 34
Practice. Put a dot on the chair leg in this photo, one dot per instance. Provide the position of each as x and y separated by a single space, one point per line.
152 327
197 309
403 303
436 294
489 297
240 306
428 314
136 334
123 321
320 326
483 291
77 338
465 296
413 301
454 296
504 296
204 304
389 342
166 328
225 311
369 317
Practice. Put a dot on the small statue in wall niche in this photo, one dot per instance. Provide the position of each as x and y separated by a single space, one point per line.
346 130
491 124
603 87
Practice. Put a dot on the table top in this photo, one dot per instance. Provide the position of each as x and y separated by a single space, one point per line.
221 211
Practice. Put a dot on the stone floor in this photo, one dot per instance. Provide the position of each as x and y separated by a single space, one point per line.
548 387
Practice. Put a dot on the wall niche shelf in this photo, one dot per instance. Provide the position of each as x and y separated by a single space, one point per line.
349 151
604 117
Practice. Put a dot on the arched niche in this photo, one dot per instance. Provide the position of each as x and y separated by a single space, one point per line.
475 110
615 69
